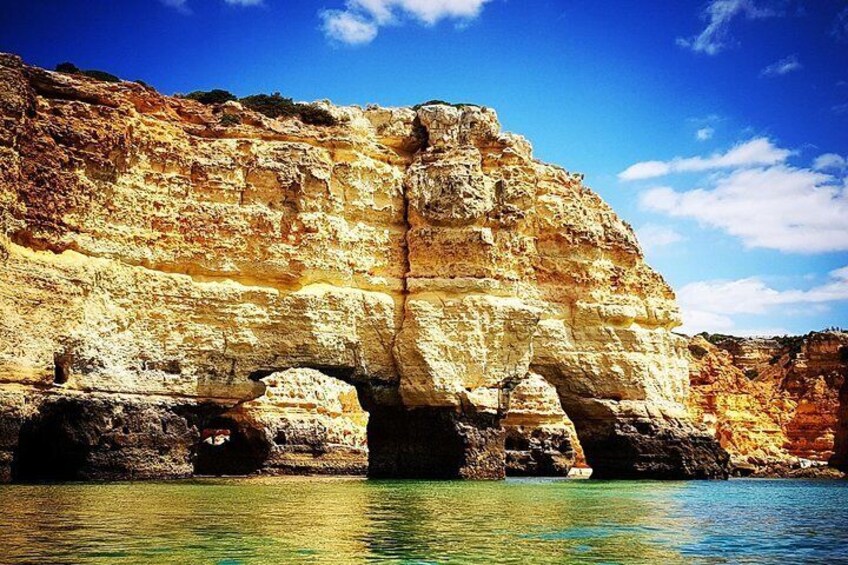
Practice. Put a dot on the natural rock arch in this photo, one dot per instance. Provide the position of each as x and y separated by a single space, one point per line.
305 422
540 437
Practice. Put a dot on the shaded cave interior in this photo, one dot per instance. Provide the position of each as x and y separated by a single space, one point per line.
840 440
72 437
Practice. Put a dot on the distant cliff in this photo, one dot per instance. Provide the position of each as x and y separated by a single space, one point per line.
778 406
179 280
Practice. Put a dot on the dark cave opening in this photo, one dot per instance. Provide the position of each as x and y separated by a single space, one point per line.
839 459
230 447
434 443
61 368
53 446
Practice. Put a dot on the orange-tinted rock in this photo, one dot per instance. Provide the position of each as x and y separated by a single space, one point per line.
774 405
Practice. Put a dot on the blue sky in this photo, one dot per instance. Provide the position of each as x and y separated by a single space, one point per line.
716 128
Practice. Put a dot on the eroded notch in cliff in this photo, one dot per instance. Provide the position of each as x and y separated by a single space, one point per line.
62 362
305 422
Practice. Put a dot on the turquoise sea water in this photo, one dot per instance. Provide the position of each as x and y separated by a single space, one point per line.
339 521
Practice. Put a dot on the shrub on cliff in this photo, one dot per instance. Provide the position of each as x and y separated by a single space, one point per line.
229 120
315 115
101 75
68 68
443 103
277 106
214 96
71 69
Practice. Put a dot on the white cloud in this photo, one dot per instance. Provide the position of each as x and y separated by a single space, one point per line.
757 151
182 5
360 20
348 27
719 14
830 162
711 305
779 207
179 5
840 26
654 236
782 67
704 134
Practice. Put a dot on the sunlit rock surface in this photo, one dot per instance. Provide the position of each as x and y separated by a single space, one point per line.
162 262
304 422
540 438
774 405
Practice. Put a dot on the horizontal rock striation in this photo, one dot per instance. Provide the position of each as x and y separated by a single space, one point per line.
777 406
157 262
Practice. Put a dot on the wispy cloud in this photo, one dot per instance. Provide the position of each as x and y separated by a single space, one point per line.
782 67
179 5
839 31
704 134
757 151
830 162
655 236
359 21
794 210
348 27
711 305
719 14
182 5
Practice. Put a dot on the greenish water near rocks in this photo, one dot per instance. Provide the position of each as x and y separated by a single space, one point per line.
340 521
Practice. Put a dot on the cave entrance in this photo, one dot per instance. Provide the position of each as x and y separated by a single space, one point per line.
305 422
434 443
228 448
839 459
317 421
54 445
541 440
603 453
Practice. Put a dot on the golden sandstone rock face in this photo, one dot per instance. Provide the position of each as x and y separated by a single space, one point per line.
305 422
540 438
161 263
775 407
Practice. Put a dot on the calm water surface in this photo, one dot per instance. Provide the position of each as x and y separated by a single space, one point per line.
339 521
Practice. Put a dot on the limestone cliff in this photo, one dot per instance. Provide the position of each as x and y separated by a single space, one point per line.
774 404
305 422
158 261
540 438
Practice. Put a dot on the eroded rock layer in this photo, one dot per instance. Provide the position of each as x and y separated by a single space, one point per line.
774 405
153 254
540 438
305 422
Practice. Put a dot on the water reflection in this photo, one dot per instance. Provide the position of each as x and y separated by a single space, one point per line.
340 521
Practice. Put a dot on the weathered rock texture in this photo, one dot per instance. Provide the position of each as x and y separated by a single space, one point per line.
154 258
774 405
305 422
540 438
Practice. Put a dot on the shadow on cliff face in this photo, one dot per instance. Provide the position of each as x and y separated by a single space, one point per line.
84 438
840 441
229 447
434 443
621 445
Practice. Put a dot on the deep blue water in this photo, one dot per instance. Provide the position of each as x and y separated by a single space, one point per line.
340 521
